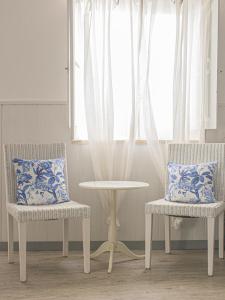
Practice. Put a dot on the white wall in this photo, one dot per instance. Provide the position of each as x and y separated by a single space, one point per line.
34 108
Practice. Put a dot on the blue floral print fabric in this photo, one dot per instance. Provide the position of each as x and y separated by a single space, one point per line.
191 183
40 182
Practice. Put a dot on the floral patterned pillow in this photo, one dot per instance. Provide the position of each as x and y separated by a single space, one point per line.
191 183
40 182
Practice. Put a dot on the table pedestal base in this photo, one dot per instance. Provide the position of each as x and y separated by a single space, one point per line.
112 247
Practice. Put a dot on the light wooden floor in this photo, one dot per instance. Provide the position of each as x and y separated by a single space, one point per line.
181 275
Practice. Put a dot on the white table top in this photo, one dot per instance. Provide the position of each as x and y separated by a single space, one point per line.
113 185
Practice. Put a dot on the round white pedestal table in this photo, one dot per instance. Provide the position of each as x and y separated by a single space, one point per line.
112 244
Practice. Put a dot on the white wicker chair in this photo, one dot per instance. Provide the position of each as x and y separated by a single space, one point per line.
190 154
23 214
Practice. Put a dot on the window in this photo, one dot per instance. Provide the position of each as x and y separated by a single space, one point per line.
163 40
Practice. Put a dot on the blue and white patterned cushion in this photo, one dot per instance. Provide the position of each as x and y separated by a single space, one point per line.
40 182
191 183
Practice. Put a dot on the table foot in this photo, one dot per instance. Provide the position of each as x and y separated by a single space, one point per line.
105 247
110 260
115 247
121 247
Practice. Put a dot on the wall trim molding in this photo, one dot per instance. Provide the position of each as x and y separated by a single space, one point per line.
134 245
33 101
46 101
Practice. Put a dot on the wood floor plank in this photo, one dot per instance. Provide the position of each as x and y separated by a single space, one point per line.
181 275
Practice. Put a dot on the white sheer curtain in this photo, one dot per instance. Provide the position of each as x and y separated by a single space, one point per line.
123 50
192 70
96 52
191 73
